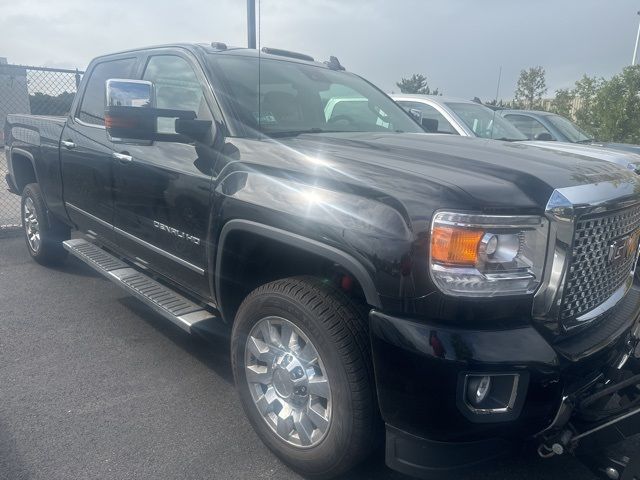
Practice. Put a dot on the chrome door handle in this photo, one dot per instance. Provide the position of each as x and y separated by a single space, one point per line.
68 144
122 157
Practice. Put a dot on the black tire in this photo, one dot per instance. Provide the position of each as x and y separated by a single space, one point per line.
338 330
49 250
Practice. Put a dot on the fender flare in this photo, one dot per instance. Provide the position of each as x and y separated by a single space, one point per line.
327 252
25 154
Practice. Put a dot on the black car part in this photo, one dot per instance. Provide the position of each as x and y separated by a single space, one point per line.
600 421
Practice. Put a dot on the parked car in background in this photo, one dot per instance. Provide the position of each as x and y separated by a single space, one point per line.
471 119
546 126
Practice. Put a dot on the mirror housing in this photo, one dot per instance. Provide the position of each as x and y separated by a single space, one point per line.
131 116
416 114
544 137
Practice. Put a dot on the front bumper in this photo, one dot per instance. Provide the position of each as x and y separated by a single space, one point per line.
419 367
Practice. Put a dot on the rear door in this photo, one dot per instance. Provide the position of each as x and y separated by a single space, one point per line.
86 153
162 190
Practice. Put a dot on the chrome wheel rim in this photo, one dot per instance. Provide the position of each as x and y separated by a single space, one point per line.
31 225
288 382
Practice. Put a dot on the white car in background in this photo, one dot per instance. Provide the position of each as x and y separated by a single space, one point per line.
457 116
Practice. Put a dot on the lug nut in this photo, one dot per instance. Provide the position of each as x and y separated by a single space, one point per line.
300 391
297 373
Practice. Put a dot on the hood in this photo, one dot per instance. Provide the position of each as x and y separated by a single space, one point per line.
624 147
482 174
620 157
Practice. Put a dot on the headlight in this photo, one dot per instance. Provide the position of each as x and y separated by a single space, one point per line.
487 255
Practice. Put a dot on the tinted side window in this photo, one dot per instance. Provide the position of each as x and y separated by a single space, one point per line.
177 87
439 123
92 107
527 125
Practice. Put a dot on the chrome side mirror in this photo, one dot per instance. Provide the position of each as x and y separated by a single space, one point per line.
129 93
131 116
129 110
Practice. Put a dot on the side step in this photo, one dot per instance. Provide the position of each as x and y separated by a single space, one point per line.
171 305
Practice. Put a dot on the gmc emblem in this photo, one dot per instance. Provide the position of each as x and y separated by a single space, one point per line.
622 248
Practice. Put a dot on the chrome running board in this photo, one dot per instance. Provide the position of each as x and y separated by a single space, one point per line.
165 301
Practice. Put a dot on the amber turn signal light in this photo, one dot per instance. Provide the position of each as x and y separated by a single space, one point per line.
455 245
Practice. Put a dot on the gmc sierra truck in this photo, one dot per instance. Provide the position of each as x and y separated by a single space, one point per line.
457 297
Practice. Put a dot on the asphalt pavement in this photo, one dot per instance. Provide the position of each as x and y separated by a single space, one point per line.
93 385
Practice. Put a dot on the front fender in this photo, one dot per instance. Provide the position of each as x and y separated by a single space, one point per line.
327 252
373 231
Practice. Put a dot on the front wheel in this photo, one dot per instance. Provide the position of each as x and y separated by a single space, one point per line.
44 235
302 368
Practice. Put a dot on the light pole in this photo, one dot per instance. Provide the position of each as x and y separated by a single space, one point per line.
635 50
251 23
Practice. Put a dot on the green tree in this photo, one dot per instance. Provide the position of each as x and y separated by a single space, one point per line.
585 91
531 87
45 104
562 104
616 107
417 83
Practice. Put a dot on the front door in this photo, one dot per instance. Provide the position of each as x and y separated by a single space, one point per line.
162 191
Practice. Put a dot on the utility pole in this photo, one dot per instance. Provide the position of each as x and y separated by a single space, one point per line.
251 23
635 50
498 87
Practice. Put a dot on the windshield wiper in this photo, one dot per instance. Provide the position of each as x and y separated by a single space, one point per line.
587 140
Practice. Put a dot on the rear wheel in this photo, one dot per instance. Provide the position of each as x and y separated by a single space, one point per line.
44 235
303 371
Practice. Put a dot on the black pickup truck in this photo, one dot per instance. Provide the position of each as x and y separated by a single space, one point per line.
463 296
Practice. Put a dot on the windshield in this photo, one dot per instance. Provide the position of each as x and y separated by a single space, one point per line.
298 98
486 123
568 129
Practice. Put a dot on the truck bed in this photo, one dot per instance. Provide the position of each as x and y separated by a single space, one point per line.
35 139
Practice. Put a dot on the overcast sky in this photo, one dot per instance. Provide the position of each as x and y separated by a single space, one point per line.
459 44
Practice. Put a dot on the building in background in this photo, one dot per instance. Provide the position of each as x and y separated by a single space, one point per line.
14 92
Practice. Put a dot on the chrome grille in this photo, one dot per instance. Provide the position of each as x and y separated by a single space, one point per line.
592 278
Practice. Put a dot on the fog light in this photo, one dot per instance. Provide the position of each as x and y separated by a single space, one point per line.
478 389
491 393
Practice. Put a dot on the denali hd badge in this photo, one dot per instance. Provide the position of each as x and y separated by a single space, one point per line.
622 248
176 232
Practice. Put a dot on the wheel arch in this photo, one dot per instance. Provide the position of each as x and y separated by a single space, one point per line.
313 250
23 168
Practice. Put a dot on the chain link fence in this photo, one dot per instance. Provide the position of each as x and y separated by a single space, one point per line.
36 91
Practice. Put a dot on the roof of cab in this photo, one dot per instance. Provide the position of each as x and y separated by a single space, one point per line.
207 48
